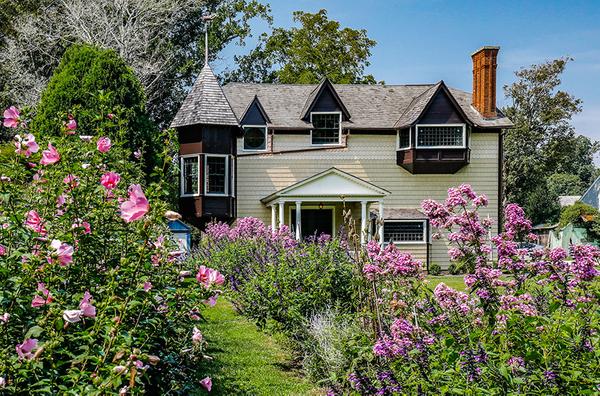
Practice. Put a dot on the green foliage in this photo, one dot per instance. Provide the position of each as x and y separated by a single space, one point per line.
574 214
138 339
435 269
318 48
543 143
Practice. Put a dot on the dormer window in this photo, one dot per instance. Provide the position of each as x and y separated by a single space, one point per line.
327 128
255 138
441 136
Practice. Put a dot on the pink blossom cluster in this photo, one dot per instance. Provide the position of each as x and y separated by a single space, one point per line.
208 277
390 261
251 228
522 303
403 338
452 300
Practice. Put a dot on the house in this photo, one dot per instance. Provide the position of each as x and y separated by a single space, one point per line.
299 154
591 196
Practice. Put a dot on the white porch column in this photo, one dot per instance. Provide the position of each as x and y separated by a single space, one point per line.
363 222
281 213
273 217
381 217
298 220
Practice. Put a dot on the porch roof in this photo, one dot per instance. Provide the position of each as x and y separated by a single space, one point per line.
332 185
399 214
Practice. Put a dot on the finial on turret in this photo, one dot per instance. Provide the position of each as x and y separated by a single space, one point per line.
206 18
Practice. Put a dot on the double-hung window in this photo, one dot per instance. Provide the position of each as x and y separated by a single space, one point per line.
326 128
405 231
441 136
255 137
190 175
216 174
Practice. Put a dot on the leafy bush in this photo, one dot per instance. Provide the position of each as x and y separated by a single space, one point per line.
574 213
94 298
276 280
435 269
92 83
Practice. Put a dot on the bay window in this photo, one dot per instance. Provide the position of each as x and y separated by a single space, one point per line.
216 174
441 136
326 128
190 175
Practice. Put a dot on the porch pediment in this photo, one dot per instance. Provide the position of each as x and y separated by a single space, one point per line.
333 184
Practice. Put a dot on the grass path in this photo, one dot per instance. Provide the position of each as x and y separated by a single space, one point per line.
454 281
247 361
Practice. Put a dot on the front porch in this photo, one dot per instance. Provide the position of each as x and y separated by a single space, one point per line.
315 205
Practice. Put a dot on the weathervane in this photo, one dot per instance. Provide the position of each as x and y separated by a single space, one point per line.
206 18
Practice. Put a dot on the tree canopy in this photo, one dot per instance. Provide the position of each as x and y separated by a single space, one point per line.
319 47
544 157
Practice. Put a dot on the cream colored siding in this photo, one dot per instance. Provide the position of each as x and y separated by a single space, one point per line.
372 158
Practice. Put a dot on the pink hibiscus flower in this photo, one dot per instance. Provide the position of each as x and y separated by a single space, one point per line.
35 222
86 309
136 206
45 298
71 126
2 250
50 156
196 336
147 286
206 383
71 180
27 145
103 144
208 276
63 252
25 350
110 180
11 117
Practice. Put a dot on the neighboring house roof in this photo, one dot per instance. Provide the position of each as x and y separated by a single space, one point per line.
568 200
329 183
206 103
370 106
592 194
399 214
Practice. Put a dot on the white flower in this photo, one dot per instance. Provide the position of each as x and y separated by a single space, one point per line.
73 315
119 369
2 382
86 138
196 336
85 166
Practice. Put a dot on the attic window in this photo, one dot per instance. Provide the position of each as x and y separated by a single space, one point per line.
441 136
255 138
326 128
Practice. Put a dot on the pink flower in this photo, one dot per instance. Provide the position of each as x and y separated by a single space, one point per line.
110 180
71 125
136 206
103 144
11 117
86 305
87 229
50 156
110 116
208 276
71 180
196 336
4 317
137 154
212 300
35 222
147 286
206 383
26 146
38 300
25 350
63 252
216 277
2 250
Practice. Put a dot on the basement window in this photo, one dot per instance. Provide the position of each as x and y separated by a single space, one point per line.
190 175
404 231
441 136
216 174
327 128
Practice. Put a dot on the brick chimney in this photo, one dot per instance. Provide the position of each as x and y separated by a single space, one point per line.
484 80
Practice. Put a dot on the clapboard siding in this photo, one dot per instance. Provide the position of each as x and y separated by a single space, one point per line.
372 158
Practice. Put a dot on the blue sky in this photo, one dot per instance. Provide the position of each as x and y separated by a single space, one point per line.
423 41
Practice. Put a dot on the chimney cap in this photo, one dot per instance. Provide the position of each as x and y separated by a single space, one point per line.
486 47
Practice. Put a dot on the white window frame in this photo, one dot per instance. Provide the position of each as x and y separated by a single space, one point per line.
244 138
409 140
464 136
425 236
181 170
339 113
226 193
233 185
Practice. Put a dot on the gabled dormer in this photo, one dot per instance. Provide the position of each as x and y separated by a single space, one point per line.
325 111
433 133
254 124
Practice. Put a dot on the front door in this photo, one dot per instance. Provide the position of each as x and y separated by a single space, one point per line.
315 222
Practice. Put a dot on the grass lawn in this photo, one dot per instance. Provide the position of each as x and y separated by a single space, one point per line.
247 361
454 281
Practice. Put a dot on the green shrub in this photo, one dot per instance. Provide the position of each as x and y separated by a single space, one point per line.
435 269
455 269
89 85
574 213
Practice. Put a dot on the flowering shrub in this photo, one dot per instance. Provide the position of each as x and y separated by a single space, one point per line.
527 324
94 297
275 279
